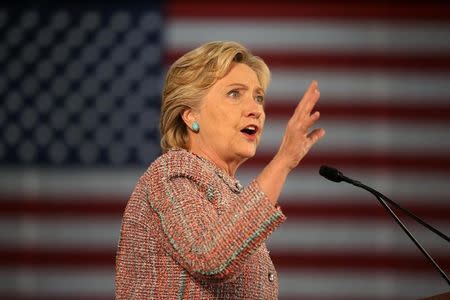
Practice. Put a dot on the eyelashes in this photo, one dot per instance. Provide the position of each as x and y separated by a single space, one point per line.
236 94
260 99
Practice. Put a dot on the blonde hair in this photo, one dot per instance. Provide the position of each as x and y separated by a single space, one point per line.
189 79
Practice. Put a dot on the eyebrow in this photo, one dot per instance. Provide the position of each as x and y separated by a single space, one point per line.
258 89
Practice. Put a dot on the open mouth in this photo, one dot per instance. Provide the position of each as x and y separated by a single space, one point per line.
250 130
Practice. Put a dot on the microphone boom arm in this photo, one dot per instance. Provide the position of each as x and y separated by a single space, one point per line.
335 175
379 197
398 206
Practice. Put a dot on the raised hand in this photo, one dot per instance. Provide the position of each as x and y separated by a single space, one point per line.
297 140
298 137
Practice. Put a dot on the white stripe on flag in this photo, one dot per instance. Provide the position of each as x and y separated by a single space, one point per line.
74 233
58 283
359 285
371 86
302 183
358 135
285 36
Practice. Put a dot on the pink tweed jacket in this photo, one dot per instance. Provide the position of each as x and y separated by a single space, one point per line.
190 231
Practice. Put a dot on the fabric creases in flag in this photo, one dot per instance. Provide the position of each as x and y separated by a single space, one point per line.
80 91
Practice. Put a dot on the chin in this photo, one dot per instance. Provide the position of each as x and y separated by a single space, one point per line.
247 153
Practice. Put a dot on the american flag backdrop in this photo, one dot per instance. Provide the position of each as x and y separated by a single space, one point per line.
80 93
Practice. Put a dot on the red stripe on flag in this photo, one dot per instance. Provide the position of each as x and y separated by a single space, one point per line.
365 209
77 259
349 10
56 295
46 206
109 297
445 296
375 161
357 61
296 208
439 111
376 260
301 296
362 260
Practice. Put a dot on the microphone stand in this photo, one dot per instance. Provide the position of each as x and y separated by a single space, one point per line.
380 198
396 205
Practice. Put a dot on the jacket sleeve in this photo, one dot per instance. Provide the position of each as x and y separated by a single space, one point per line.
135 245
205 243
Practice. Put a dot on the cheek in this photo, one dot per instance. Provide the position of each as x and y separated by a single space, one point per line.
219 125
263 120
229 117
216 112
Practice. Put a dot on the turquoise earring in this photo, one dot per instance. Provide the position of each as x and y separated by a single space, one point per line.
195 127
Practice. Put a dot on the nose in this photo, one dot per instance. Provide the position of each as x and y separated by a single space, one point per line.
254 114
253 109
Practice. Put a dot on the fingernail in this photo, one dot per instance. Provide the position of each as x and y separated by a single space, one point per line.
316 91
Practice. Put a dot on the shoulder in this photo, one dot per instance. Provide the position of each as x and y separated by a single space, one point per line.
179 163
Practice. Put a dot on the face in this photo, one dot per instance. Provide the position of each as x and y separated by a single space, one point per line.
231 116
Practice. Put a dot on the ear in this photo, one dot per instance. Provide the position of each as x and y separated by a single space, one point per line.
189 117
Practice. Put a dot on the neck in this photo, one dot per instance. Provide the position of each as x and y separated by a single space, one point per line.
229 167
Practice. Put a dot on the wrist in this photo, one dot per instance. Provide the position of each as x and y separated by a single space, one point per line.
281 165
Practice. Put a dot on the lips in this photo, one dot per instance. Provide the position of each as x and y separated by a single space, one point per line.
250 130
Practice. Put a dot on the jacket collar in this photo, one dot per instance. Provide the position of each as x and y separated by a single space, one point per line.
231 182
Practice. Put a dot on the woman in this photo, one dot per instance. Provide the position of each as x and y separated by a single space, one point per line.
190 230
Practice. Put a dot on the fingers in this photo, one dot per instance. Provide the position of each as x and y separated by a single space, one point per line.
309 121
309 99
298 138
313 95
316 135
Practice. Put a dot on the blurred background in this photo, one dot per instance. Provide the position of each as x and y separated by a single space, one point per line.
80 94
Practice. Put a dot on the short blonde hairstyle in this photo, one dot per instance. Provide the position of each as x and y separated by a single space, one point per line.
189 79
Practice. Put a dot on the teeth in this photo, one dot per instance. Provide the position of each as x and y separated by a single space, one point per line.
251 129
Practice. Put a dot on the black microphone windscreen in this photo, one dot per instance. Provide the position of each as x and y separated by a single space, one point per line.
331 173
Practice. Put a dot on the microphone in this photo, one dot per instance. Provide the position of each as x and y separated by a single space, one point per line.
335 175
331 173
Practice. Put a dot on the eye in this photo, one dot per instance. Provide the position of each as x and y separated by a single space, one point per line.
259 99
234 93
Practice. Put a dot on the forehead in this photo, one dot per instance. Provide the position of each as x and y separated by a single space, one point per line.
242 74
